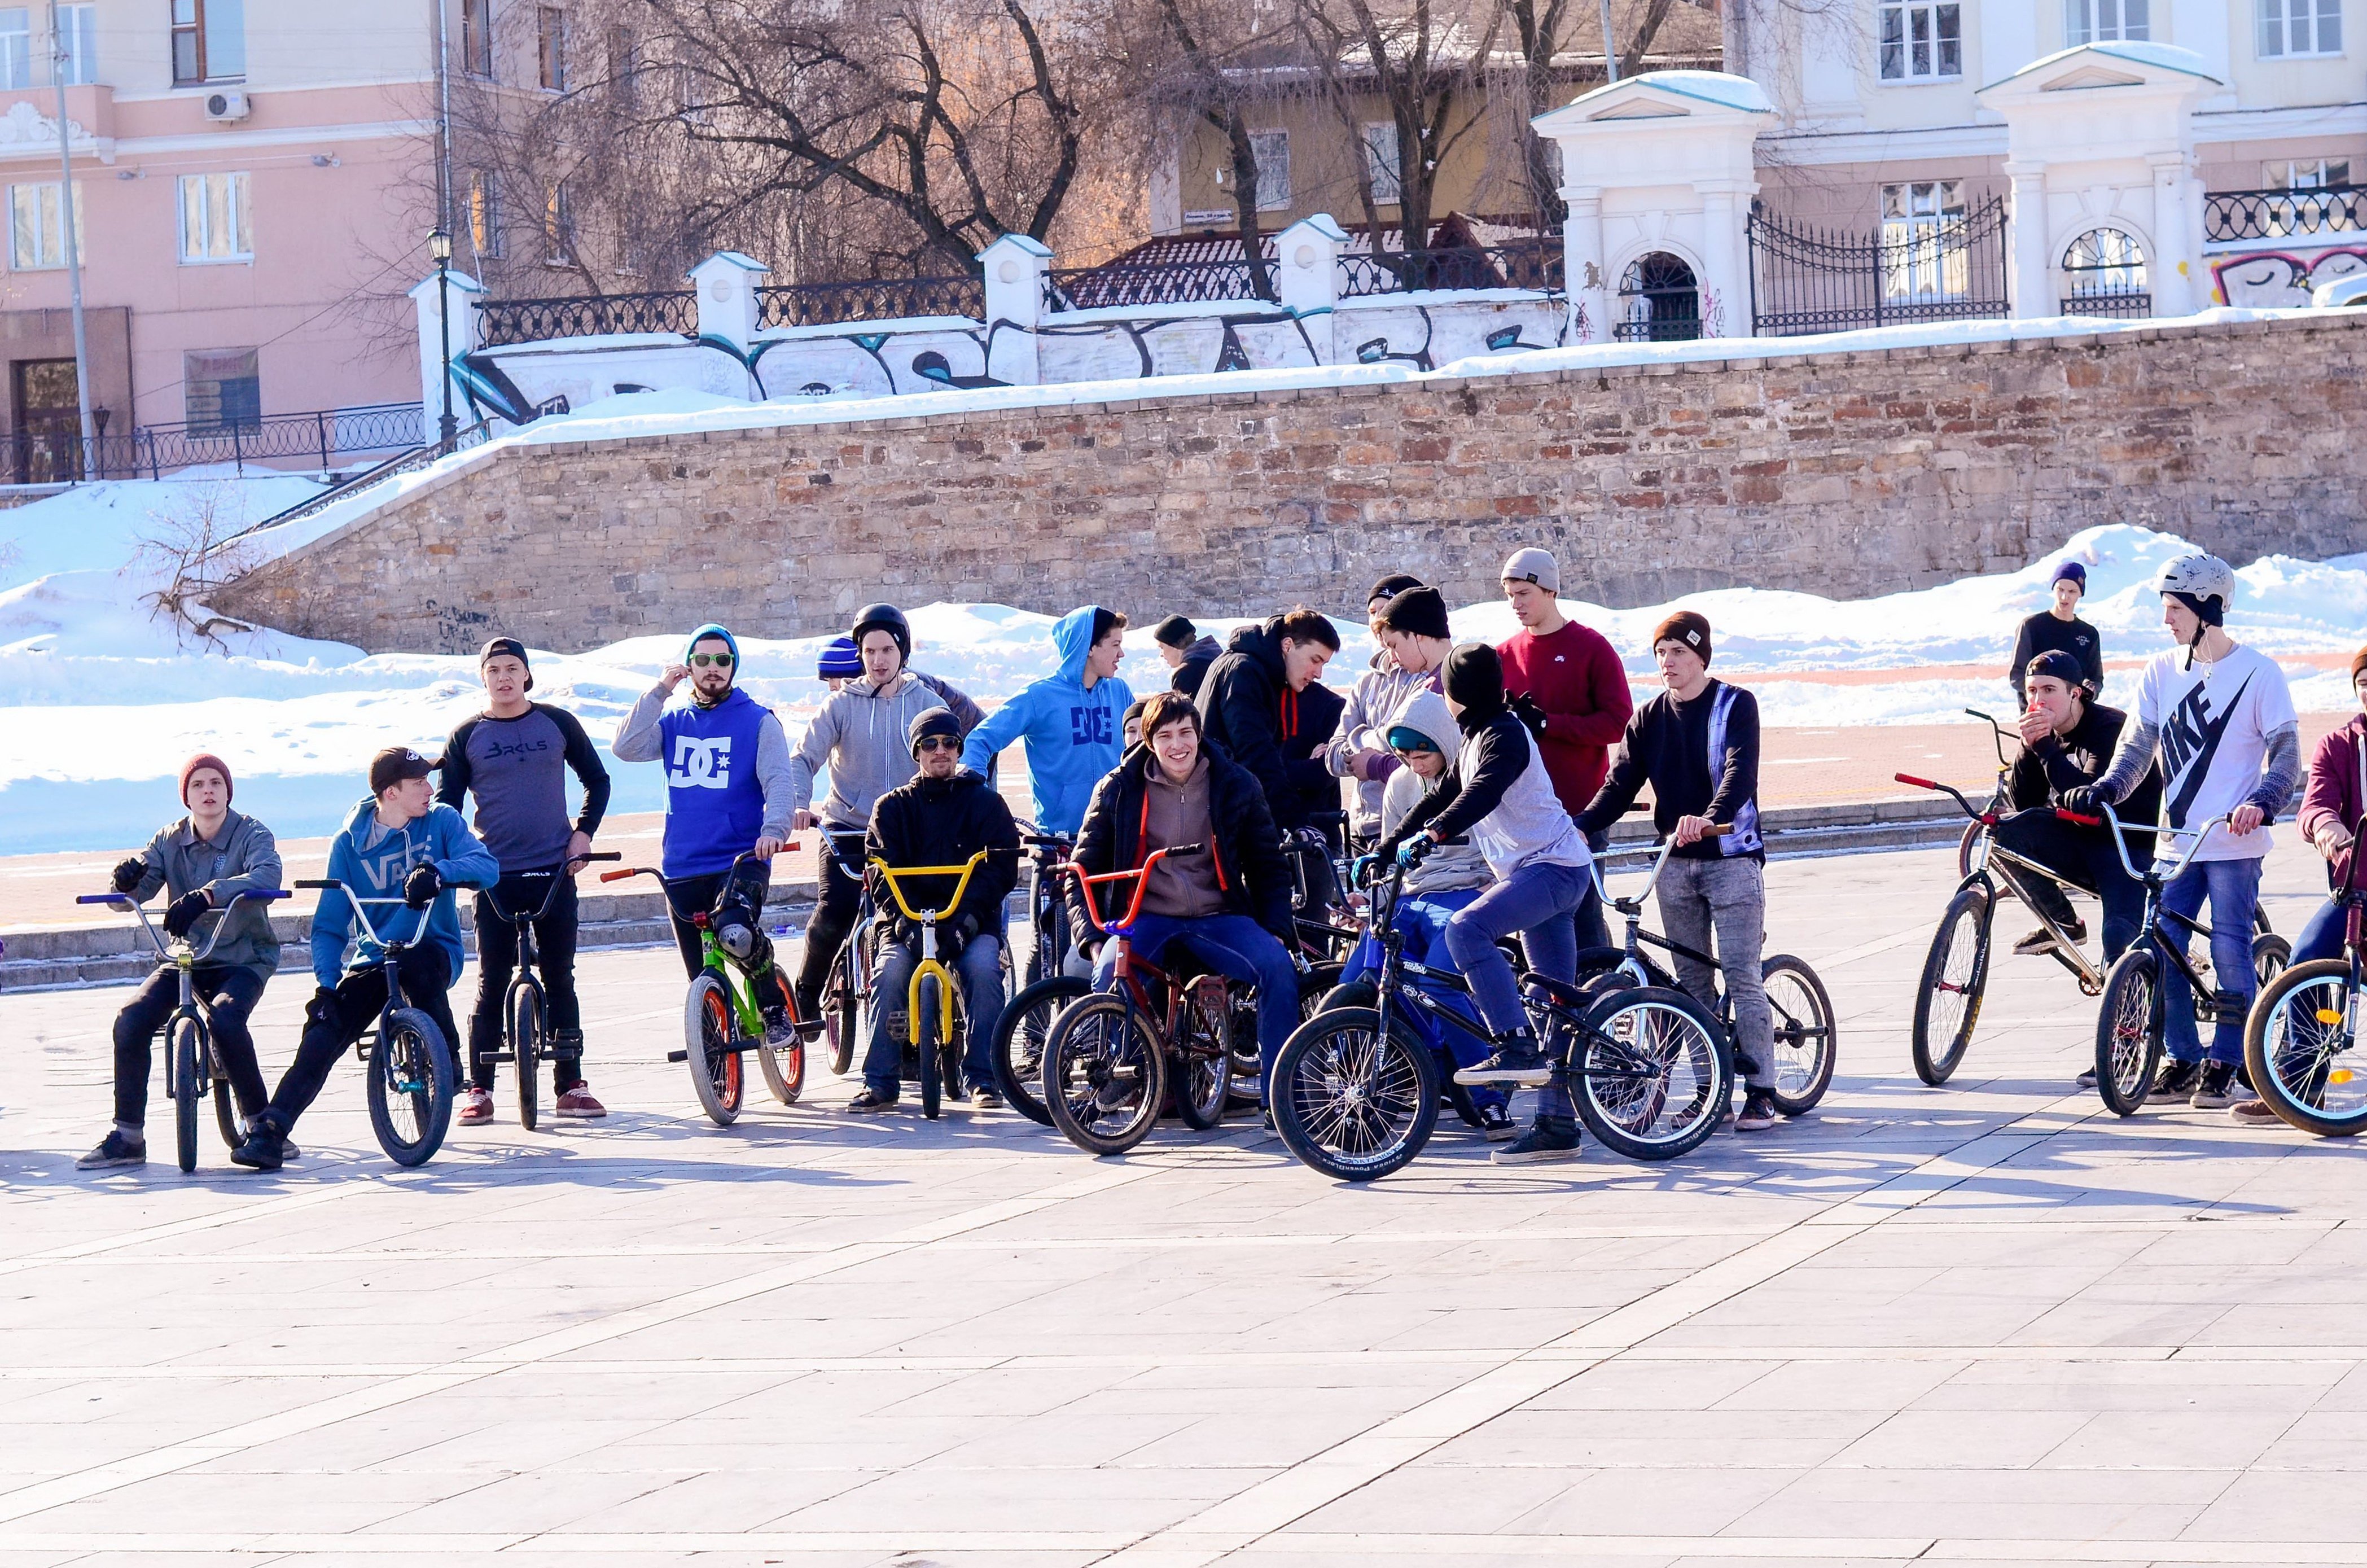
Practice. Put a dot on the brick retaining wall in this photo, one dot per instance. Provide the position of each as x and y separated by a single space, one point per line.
1846 474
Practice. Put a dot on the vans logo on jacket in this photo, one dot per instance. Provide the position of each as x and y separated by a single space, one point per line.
701 763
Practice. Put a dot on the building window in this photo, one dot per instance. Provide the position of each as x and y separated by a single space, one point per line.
78 27
557 228
37 235
1924 42
1381 161
1272 150
1921 260
2104 274
2107 21
216 222
221 391
1659 302
484 215
16 48
2300 26
550 47
208 41
477 37
624 65
2311 174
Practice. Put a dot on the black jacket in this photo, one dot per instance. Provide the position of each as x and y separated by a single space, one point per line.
2042 633
944 821
1255 718
1188 675
1499 751
1667 746
1249 864
2061 762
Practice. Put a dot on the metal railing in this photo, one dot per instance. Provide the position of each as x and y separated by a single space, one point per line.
1804 279
501 321
877 298
1522 264
1153 283
392 468
2232 215
2108 303
60 456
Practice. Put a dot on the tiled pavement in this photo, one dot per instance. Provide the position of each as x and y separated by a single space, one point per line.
1990 1323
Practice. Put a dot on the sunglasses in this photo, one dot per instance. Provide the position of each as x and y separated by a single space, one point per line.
939 743
720 661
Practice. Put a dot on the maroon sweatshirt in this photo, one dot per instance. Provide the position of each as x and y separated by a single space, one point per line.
2337 791
1575 678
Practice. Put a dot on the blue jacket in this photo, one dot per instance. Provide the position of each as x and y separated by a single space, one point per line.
1074 736
439 838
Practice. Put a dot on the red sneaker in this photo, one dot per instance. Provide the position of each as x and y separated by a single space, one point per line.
476 1106
578 1104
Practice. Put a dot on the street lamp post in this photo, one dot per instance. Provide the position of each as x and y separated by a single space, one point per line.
439 245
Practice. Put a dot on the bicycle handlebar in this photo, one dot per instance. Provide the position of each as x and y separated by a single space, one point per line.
665 880
1948 789
889 873
125 901
1668 847
2201 836
1142 882
557 880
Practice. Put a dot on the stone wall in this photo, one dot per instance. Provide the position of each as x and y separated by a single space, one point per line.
1842 474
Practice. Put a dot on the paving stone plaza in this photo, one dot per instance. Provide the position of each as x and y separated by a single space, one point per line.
1989 1322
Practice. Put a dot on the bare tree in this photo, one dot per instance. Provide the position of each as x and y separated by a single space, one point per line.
186 550
1196 55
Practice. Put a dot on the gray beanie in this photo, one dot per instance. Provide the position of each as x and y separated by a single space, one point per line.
1533 565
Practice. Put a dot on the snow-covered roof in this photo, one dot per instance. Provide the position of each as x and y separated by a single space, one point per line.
2161 56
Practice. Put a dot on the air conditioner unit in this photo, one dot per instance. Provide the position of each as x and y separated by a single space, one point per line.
226 106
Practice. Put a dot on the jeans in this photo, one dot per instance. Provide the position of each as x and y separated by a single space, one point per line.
838 898
1422 920
2232 888
226 995
1593 925
352 1008
1725 898
497 957
1236 947
2322 938
2087 856
979 965
1536 899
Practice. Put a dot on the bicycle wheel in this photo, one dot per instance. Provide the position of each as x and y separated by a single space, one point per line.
1652 1077
785 1065
2271 956
1805 1039
1204 1065
1315 987
1965 848
924 1046
1104 1074
1019 1037
2128 1032
1955 973
183 1040
715 1071
2295 1043
841 1010
411 1088
1351 1101
231 1126
527 1050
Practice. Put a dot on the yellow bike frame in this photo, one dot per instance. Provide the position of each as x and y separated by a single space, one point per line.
927 920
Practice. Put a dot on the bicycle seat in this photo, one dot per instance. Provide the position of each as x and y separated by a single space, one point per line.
1567 995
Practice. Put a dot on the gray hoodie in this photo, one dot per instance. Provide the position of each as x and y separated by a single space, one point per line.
1380 691
1450 866
861 736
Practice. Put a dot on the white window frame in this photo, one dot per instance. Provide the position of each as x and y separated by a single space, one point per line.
2297 29
78 25
2107 21
1274 171
200 244
2305 174
1384 162
551 48
48 252
1916 270
16 48
1926 33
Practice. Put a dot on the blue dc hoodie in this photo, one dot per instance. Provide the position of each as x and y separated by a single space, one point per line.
1074 736
441 839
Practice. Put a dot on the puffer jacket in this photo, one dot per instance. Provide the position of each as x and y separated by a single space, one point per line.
1250 871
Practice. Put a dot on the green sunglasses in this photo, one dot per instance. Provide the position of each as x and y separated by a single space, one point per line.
720 661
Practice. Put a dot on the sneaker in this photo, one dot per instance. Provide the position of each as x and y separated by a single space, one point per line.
578 1104
114 1152
2215 1088
779 1031
2087 1077
984 1098
2176 1082
2254 1113
1538 1145
1517 1061
288 1150
476 1106
2043 941
261 1152
1496 1124
871 1102
1759 1111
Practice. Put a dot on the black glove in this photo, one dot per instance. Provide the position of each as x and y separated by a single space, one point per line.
322 1007
2083 799
420 888
183 912
129 872
963 927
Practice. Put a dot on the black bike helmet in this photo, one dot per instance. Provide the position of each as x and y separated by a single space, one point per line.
888 619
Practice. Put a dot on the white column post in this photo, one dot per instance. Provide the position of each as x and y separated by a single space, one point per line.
1308 277
2175 271
462 293
1725 283
1583 279
724 286
1016 269
2030 276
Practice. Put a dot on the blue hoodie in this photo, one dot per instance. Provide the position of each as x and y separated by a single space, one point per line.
1074 736
439 838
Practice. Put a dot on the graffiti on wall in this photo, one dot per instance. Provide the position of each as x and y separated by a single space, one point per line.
2275 280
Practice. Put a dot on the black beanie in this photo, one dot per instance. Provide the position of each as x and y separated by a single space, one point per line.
1393 584
930 722
514 649
1175 632
1419 612
2212 611
1474 679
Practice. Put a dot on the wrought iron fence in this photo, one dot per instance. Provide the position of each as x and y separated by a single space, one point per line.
501 321
1804 279
877 298
1153 283
1522 264
392 468
2108 303
2230 215
60 456
1659 302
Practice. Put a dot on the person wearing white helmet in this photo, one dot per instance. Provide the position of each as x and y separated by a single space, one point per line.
2221 720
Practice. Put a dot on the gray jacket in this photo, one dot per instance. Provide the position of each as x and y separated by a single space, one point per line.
860 736
639 739
245 856
1364 726
1450 866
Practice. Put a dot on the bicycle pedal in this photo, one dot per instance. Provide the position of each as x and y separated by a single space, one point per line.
677 1056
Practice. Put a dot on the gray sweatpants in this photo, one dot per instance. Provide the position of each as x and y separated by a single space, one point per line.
1728 896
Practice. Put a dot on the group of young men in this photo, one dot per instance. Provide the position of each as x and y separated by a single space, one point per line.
1486 772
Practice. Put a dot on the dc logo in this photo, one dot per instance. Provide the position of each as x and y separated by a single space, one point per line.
1089 726
701 764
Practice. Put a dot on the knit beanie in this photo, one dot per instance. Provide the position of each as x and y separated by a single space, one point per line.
1175 632
2071 572
2358 662
930 722
838 660
511 646
1533 565
2210 612
1689 627
1418 612
208 759
707 631
1474 679
1393 584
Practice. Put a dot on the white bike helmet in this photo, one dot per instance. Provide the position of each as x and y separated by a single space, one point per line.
2207 585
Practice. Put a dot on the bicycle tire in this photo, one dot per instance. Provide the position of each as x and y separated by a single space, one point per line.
1964 843
1203 1071
2128 1032
183 1040
2290 1042
227 1121
841 1010
785 1065
1352 1102
1315 987
1957 965
1653 1075
526 1023
1019 1037
716 1075
412 1085
1806 1044
924 1047
1104 1058
2272 956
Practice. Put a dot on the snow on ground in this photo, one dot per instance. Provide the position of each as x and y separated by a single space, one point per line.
100 705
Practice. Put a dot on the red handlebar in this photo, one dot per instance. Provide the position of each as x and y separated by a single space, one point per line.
2077 819
1142 882
1918 783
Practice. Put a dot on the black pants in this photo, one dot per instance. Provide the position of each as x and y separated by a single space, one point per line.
330 1031
2087 856
497 957
227 995
697 895
1594 927
836 901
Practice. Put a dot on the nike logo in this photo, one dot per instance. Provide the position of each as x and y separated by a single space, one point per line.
2190 740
